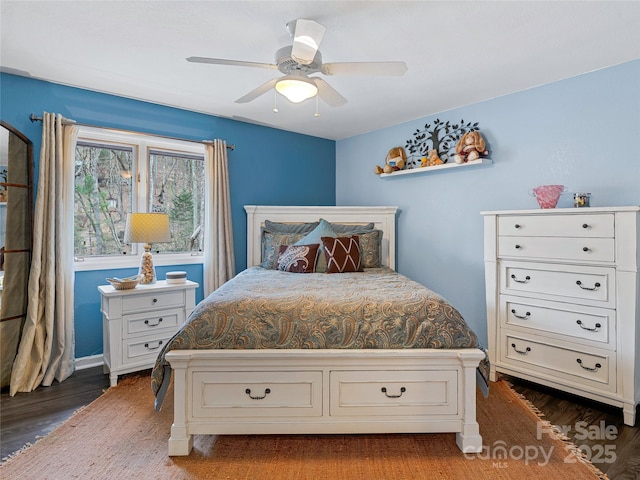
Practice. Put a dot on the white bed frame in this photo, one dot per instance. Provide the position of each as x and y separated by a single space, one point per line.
324 391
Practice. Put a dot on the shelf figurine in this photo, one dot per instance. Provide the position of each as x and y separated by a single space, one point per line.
396 160
470 147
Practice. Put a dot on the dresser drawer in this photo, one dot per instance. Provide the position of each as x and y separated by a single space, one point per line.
147 301
588 325
254 394
600 225
587 285
558 248
561 361
152 322
412 392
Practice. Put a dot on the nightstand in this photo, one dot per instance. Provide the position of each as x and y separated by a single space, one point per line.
138 322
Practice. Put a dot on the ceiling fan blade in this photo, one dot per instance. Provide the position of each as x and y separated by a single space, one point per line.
327 93
237 63
306 40
262 89
365 68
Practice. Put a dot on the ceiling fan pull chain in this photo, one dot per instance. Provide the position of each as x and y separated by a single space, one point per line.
317 114
275 101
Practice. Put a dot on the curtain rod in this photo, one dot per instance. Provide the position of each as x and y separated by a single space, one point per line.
34 118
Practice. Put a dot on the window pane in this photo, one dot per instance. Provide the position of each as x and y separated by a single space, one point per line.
103 197
176 187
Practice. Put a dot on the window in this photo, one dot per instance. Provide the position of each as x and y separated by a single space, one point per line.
117 173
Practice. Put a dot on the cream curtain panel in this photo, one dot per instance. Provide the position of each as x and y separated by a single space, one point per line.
46 350
219 263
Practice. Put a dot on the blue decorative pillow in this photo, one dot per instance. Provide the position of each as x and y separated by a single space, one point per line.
315 236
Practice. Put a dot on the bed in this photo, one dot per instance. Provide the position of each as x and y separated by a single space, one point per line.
346 352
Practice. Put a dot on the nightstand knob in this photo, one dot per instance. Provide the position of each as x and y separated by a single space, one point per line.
155 300
584 225
518 247
517 225
585 249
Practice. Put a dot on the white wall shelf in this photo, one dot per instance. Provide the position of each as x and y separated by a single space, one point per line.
444 166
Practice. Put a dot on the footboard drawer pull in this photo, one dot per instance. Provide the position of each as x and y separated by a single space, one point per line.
153 348
526 279
384 390
521 352
594 369
524 317
595 285
146 322
267 391
594 329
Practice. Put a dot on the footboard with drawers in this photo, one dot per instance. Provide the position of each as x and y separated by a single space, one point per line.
562 300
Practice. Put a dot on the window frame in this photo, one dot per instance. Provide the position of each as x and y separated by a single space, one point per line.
141 144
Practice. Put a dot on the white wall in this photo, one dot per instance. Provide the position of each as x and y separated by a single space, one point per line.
579 132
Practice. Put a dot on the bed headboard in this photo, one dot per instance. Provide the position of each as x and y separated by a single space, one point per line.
384 219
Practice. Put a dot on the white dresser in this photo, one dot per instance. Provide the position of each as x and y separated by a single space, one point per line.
138 322
562 290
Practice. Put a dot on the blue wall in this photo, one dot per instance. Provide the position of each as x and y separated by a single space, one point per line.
264 169
578 132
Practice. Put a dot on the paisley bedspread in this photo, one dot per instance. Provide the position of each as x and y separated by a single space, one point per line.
377 308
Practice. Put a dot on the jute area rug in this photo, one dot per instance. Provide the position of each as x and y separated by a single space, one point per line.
121 436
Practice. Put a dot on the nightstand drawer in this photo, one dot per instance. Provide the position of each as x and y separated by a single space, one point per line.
601 225
254 394
144 349
558 248
588 285
151 323
561 360
135 303
411 392
588 325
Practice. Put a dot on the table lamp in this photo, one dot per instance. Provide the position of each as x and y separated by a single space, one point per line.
148 228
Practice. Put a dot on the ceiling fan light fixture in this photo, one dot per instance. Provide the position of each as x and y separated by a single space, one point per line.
296 90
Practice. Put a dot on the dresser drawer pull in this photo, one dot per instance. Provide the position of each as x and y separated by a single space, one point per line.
584 225
518 247
155 300
525 316
146 322
595 329
594 369
526 279
521 352
267 391
146 345
595 286
384 390
585 249
517 225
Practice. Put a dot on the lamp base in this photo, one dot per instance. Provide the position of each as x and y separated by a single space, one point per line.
147 270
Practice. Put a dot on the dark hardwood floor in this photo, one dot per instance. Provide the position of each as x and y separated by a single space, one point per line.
598 429
27 416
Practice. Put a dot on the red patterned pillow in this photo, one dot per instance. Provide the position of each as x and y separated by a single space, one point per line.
343 254
298 258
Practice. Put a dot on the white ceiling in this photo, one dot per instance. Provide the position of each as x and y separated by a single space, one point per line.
457 53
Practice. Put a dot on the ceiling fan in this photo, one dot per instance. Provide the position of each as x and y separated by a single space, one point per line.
302 59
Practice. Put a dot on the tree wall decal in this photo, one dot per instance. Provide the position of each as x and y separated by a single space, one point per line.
441 136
